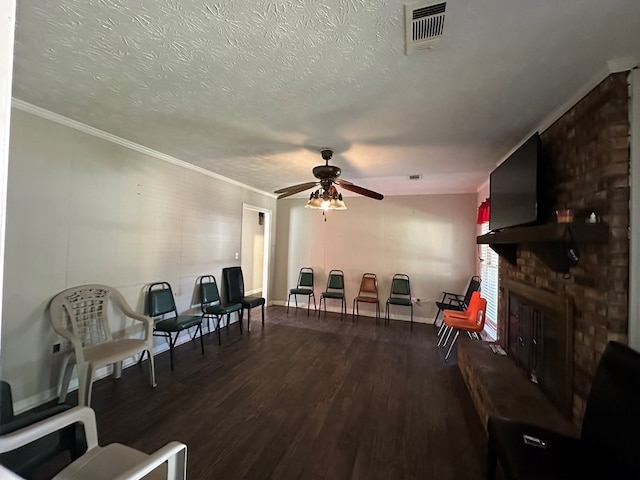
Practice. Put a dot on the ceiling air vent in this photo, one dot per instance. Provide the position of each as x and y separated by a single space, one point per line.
424 25
415 177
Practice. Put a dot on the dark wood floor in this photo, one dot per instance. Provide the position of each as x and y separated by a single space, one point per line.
303 398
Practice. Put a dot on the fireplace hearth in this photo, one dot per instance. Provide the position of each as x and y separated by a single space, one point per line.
540 339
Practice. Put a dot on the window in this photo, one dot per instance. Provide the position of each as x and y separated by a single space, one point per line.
489 287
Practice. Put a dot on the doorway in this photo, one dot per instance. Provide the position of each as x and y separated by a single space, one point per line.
254 250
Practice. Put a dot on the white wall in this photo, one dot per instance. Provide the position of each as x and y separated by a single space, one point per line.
7 28
82 209
431 238
252 253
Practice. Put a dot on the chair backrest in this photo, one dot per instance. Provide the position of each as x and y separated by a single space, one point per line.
400 286
473 303
469 314
474 317
305 278
480 314
82 310
611 424
233 283
474 286
335 281
209 293
161 300
369 285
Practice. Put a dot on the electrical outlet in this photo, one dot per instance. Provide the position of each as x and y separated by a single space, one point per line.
56 348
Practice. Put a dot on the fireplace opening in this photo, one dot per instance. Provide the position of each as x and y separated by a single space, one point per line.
540 340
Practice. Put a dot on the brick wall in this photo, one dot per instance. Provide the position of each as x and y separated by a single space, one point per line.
586 168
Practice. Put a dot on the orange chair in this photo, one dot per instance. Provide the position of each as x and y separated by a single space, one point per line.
472 321
453 314
368 294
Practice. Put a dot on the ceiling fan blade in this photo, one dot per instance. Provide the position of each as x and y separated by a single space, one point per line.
361 190
342 181
288 191
300 187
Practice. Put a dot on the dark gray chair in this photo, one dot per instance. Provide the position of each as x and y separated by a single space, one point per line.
212 306
234 293
609 442
162 306
335 290
304 287
400 294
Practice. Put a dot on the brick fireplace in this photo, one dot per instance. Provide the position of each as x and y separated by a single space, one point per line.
586 166
540 339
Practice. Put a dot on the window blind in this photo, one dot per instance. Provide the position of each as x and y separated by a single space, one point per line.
489 289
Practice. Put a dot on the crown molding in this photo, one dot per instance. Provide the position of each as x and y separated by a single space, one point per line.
67 122
616 65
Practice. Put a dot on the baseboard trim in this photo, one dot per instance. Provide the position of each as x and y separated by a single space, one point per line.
51 394
332 309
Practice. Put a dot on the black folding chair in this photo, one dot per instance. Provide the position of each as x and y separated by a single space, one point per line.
456 301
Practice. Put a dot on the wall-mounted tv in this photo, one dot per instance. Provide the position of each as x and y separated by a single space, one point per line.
514 187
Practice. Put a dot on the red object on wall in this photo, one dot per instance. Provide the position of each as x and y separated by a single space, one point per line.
483 212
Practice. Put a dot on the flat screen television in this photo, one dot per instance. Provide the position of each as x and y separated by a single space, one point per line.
514 187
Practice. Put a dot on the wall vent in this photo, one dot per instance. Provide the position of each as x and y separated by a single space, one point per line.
415 177
424 26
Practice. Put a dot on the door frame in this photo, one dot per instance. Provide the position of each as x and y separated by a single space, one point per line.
267 244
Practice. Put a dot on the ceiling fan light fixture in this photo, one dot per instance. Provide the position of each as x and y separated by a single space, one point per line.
338 203
314 200
327 196
326 200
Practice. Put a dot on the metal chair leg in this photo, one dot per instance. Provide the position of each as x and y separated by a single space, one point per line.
171 344
412 317
444 338
440 340
201 339
452 344
443 326
451 329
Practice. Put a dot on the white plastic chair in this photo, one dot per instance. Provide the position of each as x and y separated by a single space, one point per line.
79 314
111 462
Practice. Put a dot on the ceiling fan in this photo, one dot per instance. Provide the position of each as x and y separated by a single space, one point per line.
327 175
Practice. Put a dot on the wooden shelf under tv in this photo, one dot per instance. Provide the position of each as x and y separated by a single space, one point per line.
505 242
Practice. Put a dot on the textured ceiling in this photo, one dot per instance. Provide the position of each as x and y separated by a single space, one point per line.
252 89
